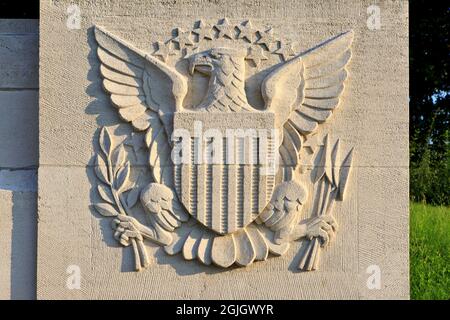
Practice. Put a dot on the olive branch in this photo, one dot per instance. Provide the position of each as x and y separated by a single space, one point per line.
113 170
330 182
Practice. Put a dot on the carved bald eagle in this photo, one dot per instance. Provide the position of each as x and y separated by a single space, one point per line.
301 92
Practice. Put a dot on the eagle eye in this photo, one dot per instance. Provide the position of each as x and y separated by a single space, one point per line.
216 55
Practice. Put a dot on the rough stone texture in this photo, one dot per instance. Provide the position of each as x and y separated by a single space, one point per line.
19 137
19 52
373 118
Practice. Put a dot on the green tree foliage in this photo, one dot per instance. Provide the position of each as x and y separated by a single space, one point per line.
429 101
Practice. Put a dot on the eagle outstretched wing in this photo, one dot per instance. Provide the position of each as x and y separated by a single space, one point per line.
132 78
303 92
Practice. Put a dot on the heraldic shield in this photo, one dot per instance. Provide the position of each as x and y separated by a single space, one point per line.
224 166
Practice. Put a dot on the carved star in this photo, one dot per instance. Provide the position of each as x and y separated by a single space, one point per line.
256 54
267 39
246 31
164 50
311 144
190 50
203 31
183 38
225 29
136 142
285 50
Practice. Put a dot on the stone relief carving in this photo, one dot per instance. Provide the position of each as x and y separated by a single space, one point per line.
229 118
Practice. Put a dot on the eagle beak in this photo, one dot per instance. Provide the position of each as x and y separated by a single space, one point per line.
201 63
192 65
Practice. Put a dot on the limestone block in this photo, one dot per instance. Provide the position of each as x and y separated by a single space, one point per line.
335 207
19 52
19 69
18 222
373 57
19 180
19 134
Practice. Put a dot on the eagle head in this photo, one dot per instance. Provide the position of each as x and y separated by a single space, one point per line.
217 59
226 69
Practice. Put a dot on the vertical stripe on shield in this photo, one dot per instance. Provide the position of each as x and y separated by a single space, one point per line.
224 190
232 198
216 210
246 180
201 193
186 185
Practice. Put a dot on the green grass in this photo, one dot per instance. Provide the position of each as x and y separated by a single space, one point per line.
430 252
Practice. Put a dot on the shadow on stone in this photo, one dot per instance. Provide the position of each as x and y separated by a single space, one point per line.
24 246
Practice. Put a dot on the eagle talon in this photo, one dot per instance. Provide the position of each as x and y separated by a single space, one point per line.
323 228
126 228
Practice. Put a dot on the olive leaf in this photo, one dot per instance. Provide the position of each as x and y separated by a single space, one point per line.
105 193
119 156
101 170
122 182
133 197
105 141
106 210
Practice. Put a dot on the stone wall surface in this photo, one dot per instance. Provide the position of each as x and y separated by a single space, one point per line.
73 237
19 43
